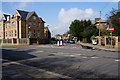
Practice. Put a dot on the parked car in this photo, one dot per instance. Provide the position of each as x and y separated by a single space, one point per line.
72 41
68 41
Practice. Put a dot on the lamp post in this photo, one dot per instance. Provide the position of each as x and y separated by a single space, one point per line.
99 23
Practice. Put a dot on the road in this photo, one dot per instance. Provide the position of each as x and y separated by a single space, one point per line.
51 61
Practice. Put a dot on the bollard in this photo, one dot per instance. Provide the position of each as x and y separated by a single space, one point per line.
61 43
58 43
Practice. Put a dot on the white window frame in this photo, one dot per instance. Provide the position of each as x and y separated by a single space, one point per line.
34 17
29 34
6 34
6 25
34 24
38 33
29 24
34 33
0 26
39 24
15 33
13 24
8 18
12 33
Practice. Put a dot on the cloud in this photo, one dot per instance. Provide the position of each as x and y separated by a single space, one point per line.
21 5
65 18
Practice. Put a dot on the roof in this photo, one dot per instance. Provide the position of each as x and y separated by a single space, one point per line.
101 21
23 14
5 15
26 15
41 19
93 22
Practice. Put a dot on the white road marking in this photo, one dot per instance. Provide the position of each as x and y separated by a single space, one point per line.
94 57
84 57
117 60
10 48
39 51
42 70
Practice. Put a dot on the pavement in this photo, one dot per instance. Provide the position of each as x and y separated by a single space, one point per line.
99 47
58 63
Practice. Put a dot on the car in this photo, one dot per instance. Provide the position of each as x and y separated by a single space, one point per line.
72 41
68 41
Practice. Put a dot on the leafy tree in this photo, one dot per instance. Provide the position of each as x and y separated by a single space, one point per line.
83 30
90 31
114 20
76 28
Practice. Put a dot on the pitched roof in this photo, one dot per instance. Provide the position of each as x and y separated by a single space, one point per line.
23 14
42 20
29 14
26 15
5 15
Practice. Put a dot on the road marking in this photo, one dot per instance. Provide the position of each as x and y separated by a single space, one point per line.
41 70
9 48
84 57
117 60
94 57
39 51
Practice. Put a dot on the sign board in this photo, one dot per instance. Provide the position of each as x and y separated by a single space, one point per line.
111 29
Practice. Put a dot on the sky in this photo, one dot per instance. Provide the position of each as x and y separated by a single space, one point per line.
59 15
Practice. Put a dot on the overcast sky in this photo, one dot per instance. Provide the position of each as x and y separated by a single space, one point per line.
59 15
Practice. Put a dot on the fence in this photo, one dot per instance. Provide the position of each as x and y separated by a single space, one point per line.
24 41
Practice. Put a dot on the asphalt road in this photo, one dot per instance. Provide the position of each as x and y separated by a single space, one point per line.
50 61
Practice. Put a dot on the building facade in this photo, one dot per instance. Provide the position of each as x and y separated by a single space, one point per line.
22 25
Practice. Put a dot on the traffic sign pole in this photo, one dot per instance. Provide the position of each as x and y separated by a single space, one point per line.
111 29
111 39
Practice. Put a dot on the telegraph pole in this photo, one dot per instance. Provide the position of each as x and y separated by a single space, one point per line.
99 23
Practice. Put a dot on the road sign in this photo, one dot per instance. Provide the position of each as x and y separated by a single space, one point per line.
111 29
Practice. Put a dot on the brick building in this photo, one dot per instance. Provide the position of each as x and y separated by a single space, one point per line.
23 27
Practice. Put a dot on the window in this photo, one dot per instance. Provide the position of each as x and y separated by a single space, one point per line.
29 25
13 24
29 34
34 17
6 34
8 18
34 33
38 24
9 33
9 25
12 33
0 26
38 33
1 34
33 24
15 32
6 25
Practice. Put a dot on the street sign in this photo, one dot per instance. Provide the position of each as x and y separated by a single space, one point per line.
111 29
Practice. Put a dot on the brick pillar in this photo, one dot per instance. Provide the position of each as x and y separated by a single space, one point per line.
28 41
99 43
116 42
12 41
105 41
37 41
17 41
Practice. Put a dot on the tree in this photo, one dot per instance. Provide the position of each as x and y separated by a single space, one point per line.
114 20
90 31
83 29
76 28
